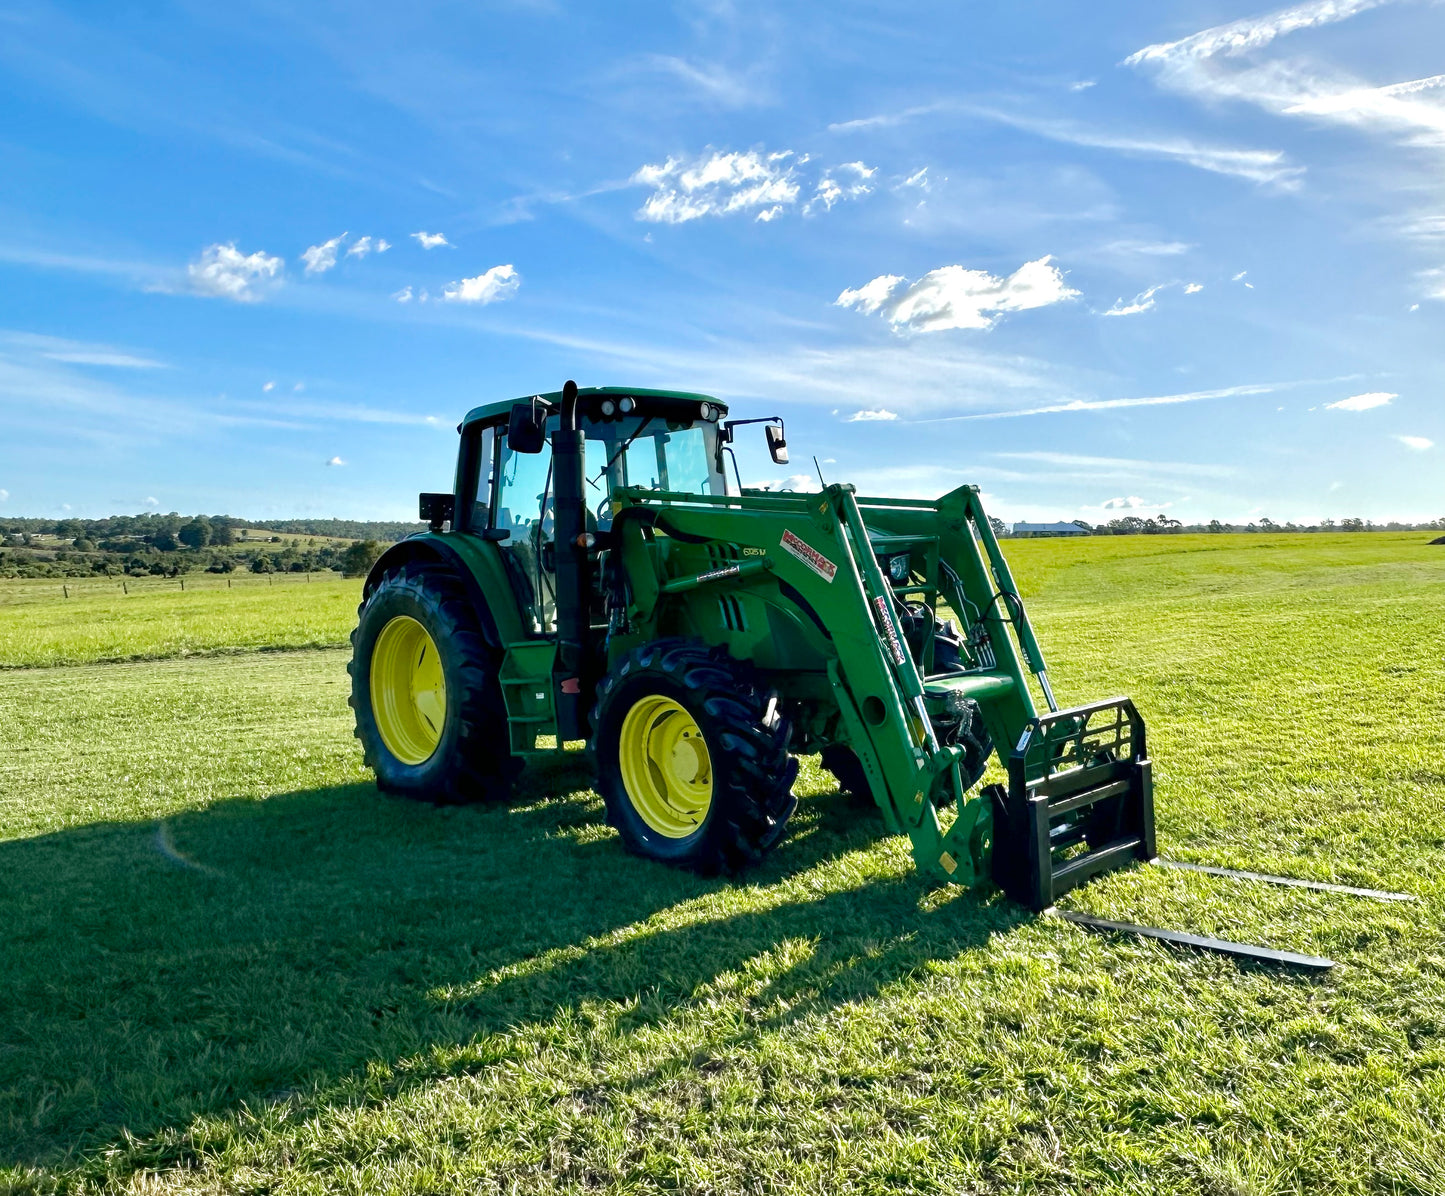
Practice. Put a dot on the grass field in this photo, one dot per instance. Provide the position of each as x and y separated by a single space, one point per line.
229 965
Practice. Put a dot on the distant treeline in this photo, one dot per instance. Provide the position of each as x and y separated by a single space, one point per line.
150 524
1134 525
169 545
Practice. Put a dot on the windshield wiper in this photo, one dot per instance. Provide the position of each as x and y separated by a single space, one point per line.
622 448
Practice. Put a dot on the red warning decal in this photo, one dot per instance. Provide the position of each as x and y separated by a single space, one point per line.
810 556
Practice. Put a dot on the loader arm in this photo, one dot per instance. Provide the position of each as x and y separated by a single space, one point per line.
814 551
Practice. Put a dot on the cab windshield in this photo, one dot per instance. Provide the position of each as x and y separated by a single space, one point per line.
643 451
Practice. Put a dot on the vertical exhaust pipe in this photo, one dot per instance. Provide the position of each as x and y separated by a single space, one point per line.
573 622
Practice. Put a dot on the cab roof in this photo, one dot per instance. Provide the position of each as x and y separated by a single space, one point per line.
490 411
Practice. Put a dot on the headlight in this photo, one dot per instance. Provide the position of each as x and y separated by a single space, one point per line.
898 567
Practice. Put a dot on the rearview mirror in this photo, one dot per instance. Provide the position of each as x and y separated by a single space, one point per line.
526 432
777 444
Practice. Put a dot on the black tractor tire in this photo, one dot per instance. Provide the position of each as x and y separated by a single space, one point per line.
746 735
472 760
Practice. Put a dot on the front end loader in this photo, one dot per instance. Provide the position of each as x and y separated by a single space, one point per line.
594 577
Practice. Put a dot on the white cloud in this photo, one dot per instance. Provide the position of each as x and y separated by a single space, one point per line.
320 258
1364 402
1418 443
430 240
1152 248
365 245
298 388
267 387
1082 84
1140 303
1269 167
151 501
336 461
1239 276
1193 288
1222 63
500 282
849 181
1251 33
919 178
718 184
797 482
225 272
4 495
1130 502
955 297
715 82
860 417
1227 392
404 295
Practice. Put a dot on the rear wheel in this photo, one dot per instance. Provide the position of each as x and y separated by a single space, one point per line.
692 757
424 687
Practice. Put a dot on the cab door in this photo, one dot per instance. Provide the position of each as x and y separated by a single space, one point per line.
522 507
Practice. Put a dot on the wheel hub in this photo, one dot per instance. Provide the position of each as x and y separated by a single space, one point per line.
408 690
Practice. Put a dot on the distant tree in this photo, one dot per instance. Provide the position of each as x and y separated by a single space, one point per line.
360 557
262 564
164 541
1083 524
1215 525
999 527
197 533
223 532
83 545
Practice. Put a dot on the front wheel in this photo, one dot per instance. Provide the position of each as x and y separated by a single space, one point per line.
692 757
429 710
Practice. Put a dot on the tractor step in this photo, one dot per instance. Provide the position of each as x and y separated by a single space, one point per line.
1080 801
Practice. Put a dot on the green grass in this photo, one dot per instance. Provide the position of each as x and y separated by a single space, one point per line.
229 965
40 627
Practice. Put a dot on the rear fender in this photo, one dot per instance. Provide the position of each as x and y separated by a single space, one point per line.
478 563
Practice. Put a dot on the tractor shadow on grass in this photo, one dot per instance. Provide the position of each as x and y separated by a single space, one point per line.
315 944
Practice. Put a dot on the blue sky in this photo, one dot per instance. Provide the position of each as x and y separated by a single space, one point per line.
1129 258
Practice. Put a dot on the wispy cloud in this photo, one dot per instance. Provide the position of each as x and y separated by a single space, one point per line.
870 416
366 245
404 295
336 461
55 348
1364 402
1193 288
223 271
500 282
430 240
956 297
1227 392
1117 466
1223 62
321 258
713 82
1418 443
849 181
1267 167
1141 302
1250 33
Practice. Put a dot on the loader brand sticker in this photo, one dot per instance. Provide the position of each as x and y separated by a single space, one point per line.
810 556
885 625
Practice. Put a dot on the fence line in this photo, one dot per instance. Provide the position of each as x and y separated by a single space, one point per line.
72 588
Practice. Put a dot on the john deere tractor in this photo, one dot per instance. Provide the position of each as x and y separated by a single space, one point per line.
593 576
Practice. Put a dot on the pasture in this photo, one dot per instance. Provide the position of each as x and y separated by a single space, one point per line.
230 965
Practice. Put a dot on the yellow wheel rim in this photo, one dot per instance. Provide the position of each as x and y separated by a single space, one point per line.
665 765
408 690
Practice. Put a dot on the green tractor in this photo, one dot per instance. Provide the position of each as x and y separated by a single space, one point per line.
593 576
